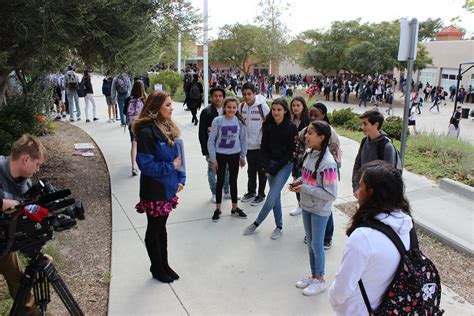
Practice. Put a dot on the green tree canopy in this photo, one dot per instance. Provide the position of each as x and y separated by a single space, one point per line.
44 35
357 48
241 46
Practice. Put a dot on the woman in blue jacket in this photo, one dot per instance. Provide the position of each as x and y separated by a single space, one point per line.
161 161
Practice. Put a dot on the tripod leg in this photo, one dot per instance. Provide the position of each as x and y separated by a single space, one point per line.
18 307
60 287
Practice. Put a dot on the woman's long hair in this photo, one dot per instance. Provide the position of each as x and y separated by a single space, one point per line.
238 115
304 116
321 128
138 90
151 114
284 104
386 191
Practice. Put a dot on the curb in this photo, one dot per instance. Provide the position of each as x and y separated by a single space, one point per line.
457 187
444 236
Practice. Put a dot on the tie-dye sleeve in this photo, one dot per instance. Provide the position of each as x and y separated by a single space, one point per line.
326 186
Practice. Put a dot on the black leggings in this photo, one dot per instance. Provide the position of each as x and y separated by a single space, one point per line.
156 241
194 112
222 161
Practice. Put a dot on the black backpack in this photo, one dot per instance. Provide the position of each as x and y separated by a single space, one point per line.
107 87
416 286
195 92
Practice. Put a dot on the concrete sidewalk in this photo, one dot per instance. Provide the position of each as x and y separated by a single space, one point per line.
223 272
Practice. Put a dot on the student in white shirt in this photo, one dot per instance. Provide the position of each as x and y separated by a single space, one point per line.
369 255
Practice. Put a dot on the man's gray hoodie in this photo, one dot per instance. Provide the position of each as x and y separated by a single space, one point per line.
368 152
318 194
254 121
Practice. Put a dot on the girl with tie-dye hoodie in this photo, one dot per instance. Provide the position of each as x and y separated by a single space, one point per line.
318 188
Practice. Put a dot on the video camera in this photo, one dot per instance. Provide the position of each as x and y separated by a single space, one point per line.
19 233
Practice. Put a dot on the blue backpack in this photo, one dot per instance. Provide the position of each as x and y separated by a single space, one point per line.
107 87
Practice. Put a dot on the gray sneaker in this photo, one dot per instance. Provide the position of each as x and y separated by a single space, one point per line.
257 201
249 230
277 232
248 197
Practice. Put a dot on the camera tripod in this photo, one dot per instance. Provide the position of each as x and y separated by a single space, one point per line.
39 274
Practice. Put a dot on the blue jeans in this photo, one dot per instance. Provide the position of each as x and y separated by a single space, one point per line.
329 229
121 97
73 100
315 226
346 99
273 201
212 178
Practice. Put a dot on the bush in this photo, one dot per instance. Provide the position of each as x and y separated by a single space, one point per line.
438 157
340 117
353 124
170 80
393 126
179 95
22 115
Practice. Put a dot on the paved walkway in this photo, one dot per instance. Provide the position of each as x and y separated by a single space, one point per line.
223 272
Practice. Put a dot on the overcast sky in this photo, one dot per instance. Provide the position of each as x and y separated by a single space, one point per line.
309 14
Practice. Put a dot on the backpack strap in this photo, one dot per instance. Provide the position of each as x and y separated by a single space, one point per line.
392 235
260 110
381 147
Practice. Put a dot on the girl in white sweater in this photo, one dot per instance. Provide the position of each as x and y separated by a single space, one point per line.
369 255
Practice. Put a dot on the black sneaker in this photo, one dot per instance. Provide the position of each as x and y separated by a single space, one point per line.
237 212
248 197
216 215
258 200
327 244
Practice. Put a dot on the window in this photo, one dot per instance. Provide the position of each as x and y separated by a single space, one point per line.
452 77
444 76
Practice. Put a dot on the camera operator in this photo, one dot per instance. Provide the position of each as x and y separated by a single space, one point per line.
26 156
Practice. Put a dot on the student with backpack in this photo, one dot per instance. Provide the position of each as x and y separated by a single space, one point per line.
299 117
71 84
376 145
107 92
89 97
132 109
254 111
194 93
318 189
382 271
121 89
278 136
227 146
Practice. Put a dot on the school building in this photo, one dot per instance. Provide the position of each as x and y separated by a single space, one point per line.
448 51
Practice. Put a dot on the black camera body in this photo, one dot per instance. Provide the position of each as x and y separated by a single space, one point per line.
19 233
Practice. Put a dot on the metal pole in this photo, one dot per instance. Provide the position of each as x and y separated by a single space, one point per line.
179 52
457 89
410 60
206 56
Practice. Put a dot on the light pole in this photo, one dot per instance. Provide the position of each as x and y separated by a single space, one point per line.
205 55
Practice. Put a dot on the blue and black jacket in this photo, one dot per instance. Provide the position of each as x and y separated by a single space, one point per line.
159 179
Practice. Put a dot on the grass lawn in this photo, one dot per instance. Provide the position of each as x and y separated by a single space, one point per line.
433 156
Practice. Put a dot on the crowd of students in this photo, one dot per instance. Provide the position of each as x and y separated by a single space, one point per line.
276 142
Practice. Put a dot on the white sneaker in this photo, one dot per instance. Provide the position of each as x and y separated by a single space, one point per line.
277 232
304 282
213 199
296 211
314 287
227 196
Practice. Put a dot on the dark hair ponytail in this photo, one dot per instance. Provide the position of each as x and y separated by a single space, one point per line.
238 115
386 191
321 128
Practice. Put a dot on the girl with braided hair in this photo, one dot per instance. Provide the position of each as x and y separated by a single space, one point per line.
318 188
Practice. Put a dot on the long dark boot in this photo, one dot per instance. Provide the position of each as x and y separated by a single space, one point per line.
152 243
164 255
